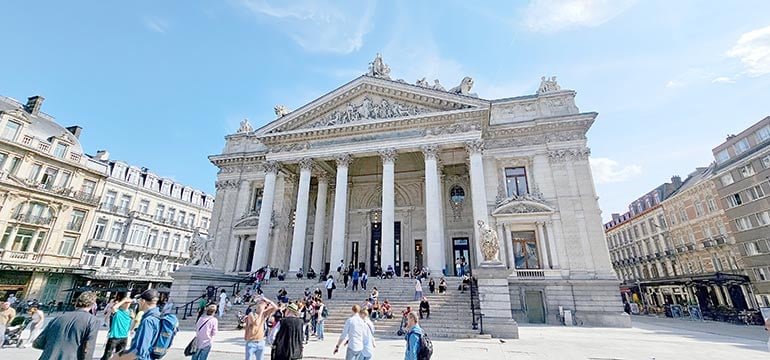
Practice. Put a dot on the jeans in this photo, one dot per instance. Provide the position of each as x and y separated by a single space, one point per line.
114 346
320 329
202 354
355 284
352 355
256 348
329 294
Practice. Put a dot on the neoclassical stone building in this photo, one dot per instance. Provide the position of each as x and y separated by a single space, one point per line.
381 172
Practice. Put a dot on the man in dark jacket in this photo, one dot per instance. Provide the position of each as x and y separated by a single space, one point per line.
288 339
73 334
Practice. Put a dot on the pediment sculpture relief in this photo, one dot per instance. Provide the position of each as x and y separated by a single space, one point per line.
369 109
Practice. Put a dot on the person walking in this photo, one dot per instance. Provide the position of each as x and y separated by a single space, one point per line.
369 345
355 280
417 290
345 278
147 331
222 303
36 325
254 331
330 286
120 324
201 307
7 313
354 332
364 279
458 268
412 337
288 339
71 335
322 312
207 327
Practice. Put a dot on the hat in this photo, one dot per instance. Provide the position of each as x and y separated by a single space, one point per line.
149 295
293 308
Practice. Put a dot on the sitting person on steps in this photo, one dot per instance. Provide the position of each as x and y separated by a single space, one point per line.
442 286
424 308
386 310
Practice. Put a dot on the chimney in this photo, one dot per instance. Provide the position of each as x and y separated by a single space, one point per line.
102 155
676 181
75 130
615 217
33 104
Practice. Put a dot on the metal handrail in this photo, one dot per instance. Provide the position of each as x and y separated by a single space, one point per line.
188 307
476 307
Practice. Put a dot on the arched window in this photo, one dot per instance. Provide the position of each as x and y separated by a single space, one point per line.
457 194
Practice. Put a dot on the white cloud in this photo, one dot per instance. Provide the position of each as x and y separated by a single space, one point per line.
606 170
156 24
673 84
318 26
723 80
753 50
555 15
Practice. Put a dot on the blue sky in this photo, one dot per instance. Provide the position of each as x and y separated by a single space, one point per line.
158 84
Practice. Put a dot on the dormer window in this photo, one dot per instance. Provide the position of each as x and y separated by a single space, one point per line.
11 130
60 150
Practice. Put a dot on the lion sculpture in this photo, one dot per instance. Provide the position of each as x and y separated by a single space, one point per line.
464 88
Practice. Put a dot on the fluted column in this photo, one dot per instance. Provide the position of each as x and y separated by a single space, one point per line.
340 210
319 229
478 192
297 258
234 249
388 208
435 245
239 252
265 216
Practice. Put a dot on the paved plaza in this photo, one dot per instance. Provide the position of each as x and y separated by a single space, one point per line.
649 338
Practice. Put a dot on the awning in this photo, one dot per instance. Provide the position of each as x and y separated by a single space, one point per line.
718 278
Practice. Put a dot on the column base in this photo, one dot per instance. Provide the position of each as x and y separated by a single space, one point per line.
495 301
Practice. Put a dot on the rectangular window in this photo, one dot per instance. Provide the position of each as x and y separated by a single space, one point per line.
67 246
99 228
525 250
743 223
60 150
723 156
138 235
159 210
64 179
717 262
171 214
88 187
144 205
11 130
34 172
712 205
698 208
747 170
734 200
76 220
516 181
760 274
115 232
177 240
49 176
14 165
205 222
39 241
164 240
741 146
125 203
3 157
109 199
763 218
751 248
192 220
766 161
756 192
727 179
152 240
763 134
182 217
683 215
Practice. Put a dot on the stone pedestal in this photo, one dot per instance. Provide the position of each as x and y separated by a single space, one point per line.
495 301
190 282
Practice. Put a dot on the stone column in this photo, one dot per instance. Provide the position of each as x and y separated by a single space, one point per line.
553 247
319 229
478 192
265 216
435 244
238 252
388 208
241 207
340 210
297 258
541 245
509 248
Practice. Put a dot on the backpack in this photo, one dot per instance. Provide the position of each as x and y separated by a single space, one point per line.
169 325
426 346
325 312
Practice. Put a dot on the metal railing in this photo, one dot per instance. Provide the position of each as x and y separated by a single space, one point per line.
477 321
187 308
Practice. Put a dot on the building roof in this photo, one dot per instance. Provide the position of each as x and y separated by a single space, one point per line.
696 177
43 126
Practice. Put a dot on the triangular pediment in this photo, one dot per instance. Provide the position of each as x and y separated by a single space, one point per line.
369 99
514 207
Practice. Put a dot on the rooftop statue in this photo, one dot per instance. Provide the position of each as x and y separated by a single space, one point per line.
377 68
437 86
245 127
280 110
464 88
423 83
547 85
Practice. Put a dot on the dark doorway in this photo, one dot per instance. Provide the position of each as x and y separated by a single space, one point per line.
535 310
354 252
418 253
461 250
252 243
397 247
737 298
376 248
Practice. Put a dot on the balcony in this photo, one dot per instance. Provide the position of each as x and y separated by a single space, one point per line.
75 226
690 247
530 274
115 209
19 256
85 197
97 243
35 220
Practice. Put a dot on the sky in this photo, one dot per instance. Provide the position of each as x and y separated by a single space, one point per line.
159 84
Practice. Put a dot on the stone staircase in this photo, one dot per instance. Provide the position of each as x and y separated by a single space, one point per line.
450 312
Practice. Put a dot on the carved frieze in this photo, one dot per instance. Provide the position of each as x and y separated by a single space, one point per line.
299 146
565 155
368 109
226 184
454 129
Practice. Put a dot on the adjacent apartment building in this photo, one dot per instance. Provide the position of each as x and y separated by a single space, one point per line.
743 175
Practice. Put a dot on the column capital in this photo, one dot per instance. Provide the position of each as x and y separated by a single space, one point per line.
430 151
475 146
388 155
271 167
343 160
306 164
322 176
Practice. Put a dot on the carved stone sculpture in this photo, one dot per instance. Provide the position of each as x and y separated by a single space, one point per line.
245 127
367 109
423 83
464 88
547 85
200 251
280 110
437 86
490 245
377 68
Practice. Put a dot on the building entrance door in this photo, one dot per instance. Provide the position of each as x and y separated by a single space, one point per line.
354 252
252 244
418 254
461 250
376 248
535 311
51 288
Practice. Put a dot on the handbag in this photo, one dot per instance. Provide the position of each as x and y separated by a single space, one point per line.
192 348
334 286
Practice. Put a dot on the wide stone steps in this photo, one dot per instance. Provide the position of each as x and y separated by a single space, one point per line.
450 312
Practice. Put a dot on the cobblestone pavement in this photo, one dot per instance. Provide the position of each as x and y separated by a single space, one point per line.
650 338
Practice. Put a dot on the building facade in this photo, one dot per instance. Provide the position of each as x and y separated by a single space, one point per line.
742 178
383 173
49 191
143 227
